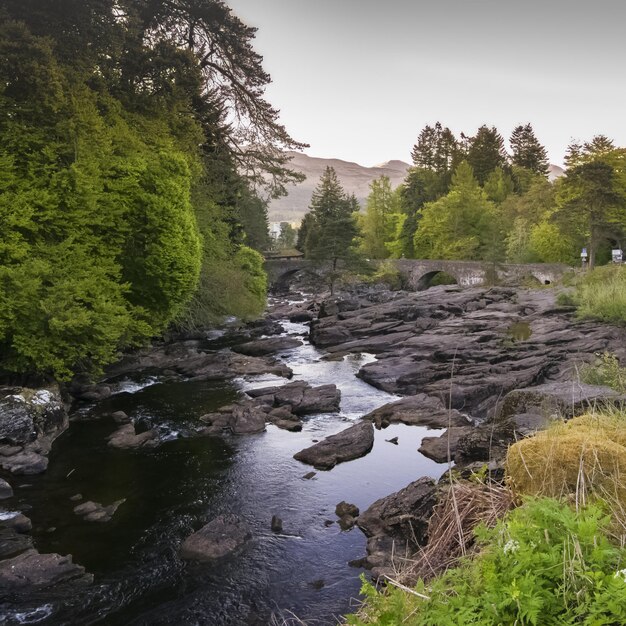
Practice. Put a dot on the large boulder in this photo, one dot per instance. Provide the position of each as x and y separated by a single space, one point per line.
300 397
219 537
396 525
351 443
417 410
30 571
443 448
26 414
268 345
126 438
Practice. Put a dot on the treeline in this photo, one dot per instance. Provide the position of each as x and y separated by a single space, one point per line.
468 198
134 138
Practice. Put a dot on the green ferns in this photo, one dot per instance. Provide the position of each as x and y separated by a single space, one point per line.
543 565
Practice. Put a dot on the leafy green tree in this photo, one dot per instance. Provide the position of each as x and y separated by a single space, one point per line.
287 236
498 186
457 226
378 223
331 236
591 203
527 152
486 152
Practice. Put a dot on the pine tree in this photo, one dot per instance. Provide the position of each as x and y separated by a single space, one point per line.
527 151
486 152
378 223
332 232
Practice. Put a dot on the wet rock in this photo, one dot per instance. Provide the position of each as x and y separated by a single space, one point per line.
6 491
334 306
393 440
351 443
397 524
18 522
33 571
90 392
25 463
309 475
417 410
96 512
119 417
277 524
26 414
247 420
76 497
301 317
125 438
13 543
437 448
219 537
345 508
301 398
269 345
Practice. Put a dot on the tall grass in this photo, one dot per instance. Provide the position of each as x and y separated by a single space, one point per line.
601 294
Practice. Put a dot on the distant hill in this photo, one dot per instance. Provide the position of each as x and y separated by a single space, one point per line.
353 177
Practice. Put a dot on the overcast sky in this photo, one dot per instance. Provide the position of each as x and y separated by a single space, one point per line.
358 79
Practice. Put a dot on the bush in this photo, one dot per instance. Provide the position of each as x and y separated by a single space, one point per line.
605 371
544 564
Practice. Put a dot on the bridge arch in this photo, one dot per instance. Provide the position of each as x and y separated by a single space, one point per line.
425 281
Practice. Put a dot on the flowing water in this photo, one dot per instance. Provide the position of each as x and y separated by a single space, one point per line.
172 490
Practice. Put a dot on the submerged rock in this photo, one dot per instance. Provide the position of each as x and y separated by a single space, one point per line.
6 491
126 438
96 512
219 537
351 443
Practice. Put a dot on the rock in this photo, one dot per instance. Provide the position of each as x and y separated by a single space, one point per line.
269 345
76 497
277 524
219 537
334 306
301 317
393 440
247 420
562 398
344 508
96 512
18 522
417 410
91 393
436 448
486 442
26 414
33 571
125 438
301 398
25 463
397 524
347 522
119 417
351 443
13 543
6 491
309 475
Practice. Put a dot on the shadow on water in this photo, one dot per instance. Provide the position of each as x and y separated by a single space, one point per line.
172 490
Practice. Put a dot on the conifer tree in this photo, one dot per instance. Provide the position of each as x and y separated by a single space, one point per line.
486 152
527 152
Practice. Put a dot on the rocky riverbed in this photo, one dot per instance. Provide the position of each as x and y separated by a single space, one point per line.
481 366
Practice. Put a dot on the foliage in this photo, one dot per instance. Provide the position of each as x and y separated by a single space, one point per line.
388 274
331 233
606 371
436 149
459 225
486 153
527 151
287 237
543 564
381 218
601 294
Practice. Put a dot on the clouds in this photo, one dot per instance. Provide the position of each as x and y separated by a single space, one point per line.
358 79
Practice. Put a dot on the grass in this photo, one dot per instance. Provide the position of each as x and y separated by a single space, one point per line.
605 371
601 294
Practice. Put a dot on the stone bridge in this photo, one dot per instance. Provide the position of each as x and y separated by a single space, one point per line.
419 272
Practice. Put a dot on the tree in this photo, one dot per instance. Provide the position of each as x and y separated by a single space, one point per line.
498 186
527 151
436 149
287 236
486 153
378 223
458 225
592 203
332 231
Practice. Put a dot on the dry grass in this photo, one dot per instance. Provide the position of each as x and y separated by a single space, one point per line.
582 460
462 507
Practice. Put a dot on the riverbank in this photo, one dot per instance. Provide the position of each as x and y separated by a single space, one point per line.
429 347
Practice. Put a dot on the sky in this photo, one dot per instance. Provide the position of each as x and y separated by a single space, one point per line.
358 79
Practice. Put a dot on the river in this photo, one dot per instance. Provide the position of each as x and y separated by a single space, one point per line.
172 490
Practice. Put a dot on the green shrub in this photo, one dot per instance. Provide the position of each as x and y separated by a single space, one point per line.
605 371
545 564
388 274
